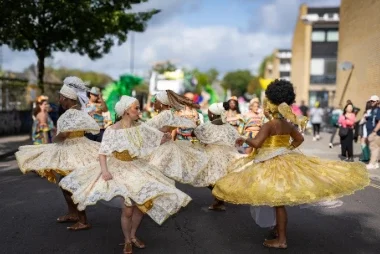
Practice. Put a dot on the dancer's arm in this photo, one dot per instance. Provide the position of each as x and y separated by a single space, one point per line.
103 165
60 137
297 138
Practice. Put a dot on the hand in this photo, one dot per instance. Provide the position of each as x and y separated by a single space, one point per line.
239 141
167 137
106 176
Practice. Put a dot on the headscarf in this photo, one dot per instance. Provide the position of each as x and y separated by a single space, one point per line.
163 98
123 104
75 89
218 109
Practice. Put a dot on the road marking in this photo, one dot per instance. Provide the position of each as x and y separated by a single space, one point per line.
374 186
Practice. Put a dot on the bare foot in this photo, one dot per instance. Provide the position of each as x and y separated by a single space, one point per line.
79 226
275 243
68 218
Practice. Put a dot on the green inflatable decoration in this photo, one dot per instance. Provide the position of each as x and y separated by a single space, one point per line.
115 90
213 95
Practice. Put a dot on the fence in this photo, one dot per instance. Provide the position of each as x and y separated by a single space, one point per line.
16 104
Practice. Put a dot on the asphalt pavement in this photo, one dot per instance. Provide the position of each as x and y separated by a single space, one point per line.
30 205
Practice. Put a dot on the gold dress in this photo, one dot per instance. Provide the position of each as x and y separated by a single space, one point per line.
219 146
179 160
134 182
279 176
63 157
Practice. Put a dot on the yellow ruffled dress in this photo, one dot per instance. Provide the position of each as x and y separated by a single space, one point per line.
61 158
179 160
278 176
134 181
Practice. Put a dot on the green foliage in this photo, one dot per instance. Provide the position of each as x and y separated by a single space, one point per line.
95 78
237 81
263 64
254 87
87 27
124 86
162 67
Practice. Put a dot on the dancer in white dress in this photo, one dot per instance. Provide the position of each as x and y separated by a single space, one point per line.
124 177
70 150
179 160
218 138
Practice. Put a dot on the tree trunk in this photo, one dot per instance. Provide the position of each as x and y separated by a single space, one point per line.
41 70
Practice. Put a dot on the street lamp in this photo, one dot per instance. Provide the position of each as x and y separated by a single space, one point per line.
345 66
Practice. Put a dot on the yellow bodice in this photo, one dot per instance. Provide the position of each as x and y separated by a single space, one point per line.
123 156
277 141
76 134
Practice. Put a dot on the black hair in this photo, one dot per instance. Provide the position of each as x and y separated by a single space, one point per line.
280 91
345 108
368 105
226 105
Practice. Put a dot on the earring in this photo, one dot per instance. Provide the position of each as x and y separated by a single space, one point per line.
212 115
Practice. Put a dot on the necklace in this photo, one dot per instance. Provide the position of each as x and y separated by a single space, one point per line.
76 105
132 140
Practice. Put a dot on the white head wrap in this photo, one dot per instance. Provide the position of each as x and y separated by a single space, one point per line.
74 88
163 98
218 109
123 104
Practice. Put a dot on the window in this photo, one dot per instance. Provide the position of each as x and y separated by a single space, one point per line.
330 66
332 35
318 36
317 66
323 71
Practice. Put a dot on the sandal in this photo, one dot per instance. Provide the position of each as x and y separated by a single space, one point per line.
67 218
275 245
127 248
138 243
79 226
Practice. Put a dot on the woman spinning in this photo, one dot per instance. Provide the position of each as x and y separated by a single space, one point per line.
71 149
124 178
278 175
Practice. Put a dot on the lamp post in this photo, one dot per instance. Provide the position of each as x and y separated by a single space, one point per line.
345 66
132 55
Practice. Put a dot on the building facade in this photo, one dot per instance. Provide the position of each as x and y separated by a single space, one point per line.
280 65
314 55
359 48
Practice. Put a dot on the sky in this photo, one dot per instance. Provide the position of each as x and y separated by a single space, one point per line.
222 34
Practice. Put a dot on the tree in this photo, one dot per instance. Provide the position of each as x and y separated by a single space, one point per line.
263 65
162 67
212 75
237 81
95 78
254 87
87 27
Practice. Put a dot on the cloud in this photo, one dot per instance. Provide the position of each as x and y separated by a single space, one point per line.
209 46
280 16
225 48
170 9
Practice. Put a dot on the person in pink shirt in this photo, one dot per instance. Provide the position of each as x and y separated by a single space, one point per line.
346 132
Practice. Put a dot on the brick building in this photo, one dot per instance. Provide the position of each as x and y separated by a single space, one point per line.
359 45
314 54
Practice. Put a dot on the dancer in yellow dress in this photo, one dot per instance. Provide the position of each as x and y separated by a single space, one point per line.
70 150
179 160
124 179
279 176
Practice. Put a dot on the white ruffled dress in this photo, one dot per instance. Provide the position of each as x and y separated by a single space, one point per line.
135 181
219 146
179 160
61 158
